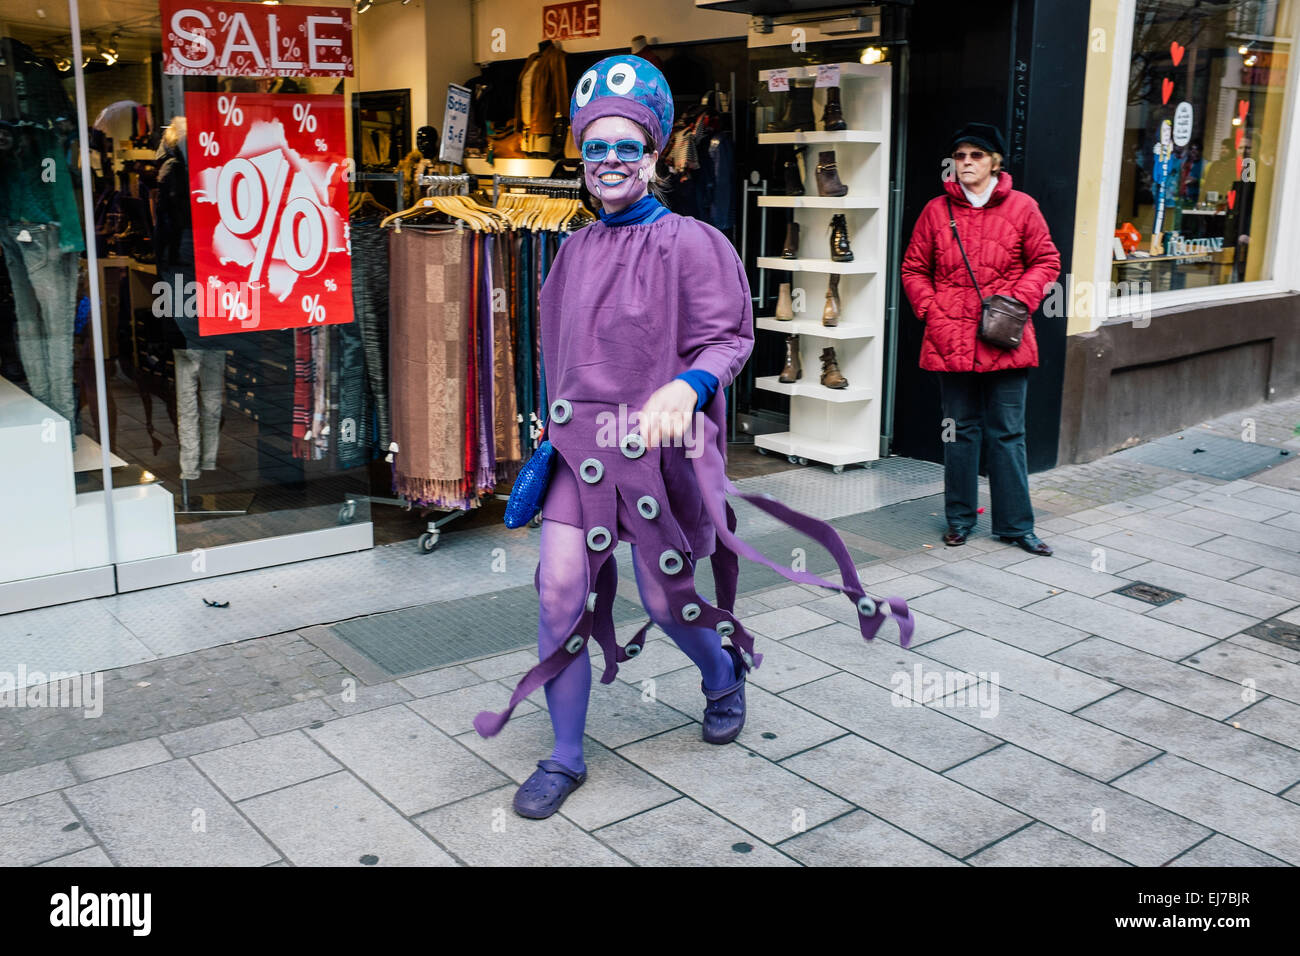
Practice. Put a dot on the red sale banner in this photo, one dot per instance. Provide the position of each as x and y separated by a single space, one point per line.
242 39
570 20
269 203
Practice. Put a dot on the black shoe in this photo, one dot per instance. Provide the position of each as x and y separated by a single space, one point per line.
954 539
1030 543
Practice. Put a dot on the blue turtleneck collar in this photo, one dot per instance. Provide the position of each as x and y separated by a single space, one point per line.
646 209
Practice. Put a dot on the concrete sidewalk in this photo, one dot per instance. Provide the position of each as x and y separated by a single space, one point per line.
1039 718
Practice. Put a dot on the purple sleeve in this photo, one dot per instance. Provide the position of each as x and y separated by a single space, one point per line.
716 332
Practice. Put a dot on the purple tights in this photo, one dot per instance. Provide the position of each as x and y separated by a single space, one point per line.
563 591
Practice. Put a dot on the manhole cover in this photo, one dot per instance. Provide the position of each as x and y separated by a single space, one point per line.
1148 593
1277 632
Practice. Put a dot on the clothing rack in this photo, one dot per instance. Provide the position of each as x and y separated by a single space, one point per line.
539 182
464 181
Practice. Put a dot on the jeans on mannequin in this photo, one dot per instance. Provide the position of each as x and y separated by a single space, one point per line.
44 280
200 384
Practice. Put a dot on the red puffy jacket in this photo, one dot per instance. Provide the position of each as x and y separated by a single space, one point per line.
1011 251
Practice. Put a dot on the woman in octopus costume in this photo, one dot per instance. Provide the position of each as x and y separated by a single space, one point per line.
646 313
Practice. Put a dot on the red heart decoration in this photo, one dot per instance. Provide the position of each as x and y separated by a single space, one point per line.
1166 88
1241 134
1242 109
1176 52
1238 167
1232 199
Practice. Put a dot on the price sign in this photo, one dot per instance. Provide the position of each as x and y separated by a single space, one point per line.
206 38
269 203
828 74
778 81
455 118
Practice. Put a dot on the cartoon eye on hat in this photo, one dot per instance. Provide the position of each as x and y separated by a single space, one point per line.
621 79
586 86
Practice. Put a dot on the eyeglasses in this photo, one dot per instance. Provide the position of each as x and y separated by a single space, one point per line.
625 150
975 154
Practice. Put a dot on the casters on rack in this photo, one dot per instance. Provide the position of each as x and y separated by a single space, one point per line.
837 469
762 450
347 512
792 459
803 461
429 540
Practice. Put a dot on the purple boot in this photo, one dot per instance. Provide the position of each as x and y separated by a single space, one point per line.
543 793
724 714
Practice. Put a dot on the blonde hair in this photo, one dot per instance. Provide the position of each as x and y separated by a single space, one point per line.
175 133
997 161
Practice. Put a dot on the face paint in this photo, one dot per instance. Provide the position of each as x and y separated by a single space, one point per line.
626 182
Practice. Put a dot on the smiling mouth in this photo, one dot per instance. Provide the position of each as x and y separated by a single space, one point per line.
612 179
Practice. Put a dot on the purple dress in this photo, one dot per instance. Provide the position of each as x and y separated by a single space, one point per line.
623 311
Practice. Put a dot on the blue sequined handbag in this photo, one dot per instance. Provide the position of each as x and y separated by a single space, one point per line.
530 486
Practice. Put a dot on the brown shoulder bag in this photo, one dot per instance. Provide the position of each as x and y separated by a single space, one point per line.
1002 318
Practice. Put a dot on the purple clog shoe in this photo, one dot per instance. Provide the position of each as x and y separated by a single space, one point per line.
543 793
724 714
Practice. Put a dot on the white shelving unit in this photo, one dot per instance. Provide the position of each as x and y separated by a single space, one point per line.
837 427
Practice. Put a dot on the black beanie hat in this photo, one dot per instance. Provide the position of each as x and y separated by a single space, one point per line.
979 134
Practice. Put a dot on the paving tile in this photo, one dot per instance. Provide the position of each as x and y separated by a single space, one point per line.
485 831
357 698
1240 527
1207 618
1091 516
748 790
269 763
223 733
1071 549
1126 827
1145 526
876 573
438 681
1220 850
1252 551
894 720
1267 648
916 562
774 727
927 805
785 667
659 656
1010 625
1012 589
925 627
683 833
91 856
1237 507
453 711
1176 555
860 839
504 665
1040 845
290 717
1173 494
620 713
1256 818
907 587
408 761
1011 668
1272 676
1089 533
337 821
1067 577
842 645
786 621
30 781
1126 603
1060 525
1285 586
1001 558
785 596
1178 684
168 815
32 830
101 763
1274 497
1124 627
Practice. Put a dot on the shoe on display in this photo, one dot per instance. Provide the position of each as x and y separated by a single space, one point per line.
791 248
832 117
793 370
840 250
794 176
724 714
831 311
798 112
784 304
831 376
828 175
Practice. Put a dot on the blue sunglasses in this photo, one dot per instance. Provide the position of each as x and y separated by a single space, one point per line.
625 150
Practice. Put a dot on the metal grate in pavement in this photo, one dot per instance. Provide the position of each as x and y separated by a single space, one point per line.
435 635
1198 452
1277 632
1148 593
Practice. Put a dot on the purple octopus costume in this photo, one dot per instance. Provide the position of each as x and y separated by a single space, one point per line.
624 310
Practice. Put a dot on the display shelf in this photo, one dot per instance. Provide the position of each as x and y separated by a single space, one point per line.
806 388
858 267
856 330
820 202
868 71
821 136
832 453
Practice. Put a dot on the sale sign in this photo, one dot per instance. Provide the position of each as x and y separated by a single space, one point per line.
242 39
568 21
269 200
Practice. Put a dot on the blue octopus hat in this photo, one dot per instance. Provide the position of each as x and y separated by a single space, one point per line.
627 86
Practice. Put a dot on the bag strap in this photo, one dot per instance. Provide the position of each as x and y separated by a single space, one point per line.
952 221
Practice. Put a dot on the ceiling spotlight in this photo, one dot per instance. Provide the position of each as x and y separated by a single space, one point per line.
872 54
364 5
1244 49
63 64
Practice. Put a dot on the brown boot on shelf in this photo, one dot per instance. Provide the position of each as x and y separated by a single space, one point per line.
784 304
831 311
798 111
828 175
793 370
840 250
831 376
794 175
791 248
832 117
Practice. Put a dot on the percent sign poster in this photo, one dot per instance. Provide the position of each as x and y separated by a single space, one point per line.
269 200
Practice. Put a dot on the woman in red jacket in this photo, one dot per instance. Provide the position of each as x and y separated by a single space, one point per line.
982 386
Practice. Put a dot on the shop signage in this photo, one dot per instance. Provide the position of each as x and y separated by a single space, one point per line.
567 21
455 117
269 203
245 39
1183 124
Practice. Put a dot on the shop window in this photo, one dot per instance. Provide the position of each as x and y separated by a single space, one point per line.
1202 153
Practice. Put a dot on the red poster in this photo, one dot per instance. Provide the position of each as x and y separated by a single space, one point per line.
269 201
566 21
247 39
